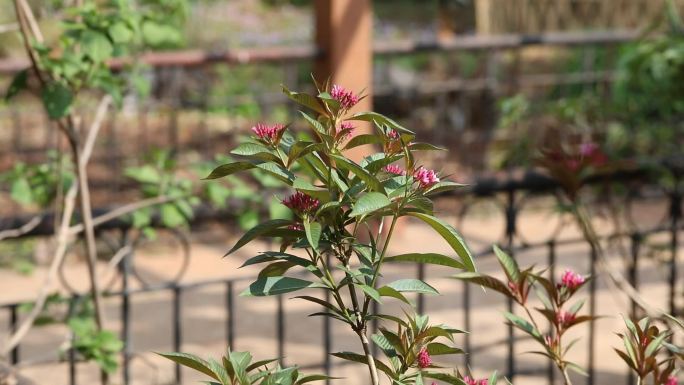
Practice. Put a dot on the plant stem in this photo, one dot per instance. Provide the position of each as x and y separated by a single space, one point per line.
566 376
380 260
89 229
371 361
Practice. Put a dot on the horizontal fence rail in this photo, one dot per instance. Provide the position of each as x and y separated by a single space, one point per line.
190 58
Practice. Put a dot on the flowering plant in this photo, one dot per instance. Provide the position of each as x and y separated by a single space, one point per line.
555 299
337 201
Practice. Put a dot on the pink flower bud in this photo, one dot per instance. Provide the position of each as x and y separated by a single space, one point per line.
268 133
426 178
672 380
564 318
424 359
393 135
301 203
394 169
572 280
471 381
345 130
346 98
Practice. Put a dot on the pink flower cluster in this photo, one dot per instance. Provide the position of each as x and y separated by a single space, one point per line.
346 98
572 280
394 169
563 318
426 178
345 129
424 359
672 380
471 381
301 203
267 132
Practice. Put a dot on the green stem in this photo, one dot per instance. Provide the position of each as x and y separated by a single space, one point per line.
376 271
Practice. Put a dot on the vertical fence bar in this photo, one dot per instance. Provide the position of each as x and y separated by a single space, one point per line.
72 362
421 297
177 328
230 320
592 312
327 334
375 308
633 270
675 213
280 322
632 277
552 276
125 269
14 323
72 353
466 323
510 232
327 341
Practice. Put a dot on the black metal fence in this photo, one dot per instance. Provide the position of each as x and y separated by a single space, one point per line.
514 199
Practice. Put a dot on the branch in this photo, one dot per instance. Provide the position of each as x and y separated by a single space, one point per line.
100 115
9 27
121 211
57 259
25 228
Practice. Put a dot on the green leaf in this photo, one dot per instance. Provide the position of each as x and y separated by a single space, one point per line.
370 291
451 236
412 285
255 150
380 120
21 191
266 286
313 233
444 377
171 217
524 325
57 100
305 100
19 83
438 348
387 291
372 182
425 147
228 169
277 171
192 362
349 356
509 264
96 45
657 342
443 186
315 124
428 258
363 139
120 33
369 203
493 379
259 230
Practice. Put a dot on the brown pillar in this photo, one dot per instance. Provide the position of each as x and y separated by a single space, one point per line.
344 36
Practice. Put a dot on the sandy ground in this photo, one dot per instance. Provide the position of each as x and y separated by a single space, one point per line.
204 314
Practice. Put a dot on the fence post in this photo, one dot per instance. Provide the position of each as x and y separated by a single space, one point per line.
344 40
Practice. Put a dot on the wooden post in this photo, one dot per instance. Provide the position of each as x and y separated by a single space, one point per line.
483 17
344 37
